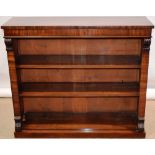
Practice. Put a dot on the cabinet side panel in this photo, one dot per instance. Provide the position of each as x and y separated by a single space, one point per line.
143 81
10 46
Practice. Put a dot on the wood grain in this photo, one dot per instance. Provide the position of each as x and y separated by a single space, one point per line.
79 46
79 134
143 81
78 26
80 105
79 75
14 83
14 79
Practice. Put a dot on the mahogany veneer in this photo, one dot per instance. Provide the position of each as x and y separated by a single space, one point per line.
78 76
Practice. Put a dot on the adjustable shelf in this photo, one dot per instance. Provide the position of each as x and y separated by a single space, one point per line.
80 89
78 61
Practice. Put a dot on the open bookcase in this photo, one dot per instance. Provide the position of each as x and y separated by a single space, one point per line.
78 77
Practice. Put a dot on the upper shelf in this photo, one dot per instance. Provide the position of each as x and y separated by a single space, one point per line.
78 26
78 61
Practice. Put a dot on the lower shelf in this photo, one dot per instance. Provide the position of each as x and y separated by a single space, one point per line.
79 134
61 125
83 121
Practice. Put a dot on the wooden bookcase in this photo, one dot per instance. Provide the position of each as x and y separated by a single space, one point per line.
78 76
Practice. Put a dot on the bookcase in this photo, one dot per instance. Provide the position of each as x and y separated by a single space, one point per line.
78 77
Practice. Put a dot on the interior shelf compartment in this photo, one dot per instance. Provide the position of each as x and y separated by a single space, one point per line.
85 122
78 61
80 89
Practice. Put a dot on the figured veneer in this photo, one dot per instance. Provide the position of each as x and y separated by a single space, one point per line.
79 46
80 104
79 75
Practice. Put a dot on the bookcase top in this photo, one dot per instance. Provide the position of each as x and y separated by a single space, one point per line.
77 22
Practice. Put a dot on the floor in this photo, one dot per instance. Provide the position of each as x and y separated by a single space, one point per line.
7 122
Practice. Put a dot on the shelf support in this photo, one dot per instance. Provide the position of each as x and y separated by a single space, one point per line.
9 44
146 44
18 123
141 124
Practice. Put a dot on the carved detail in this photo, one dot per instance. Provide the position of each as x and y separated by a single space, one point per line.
24 117
18 123
9 44
140 124
146 44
